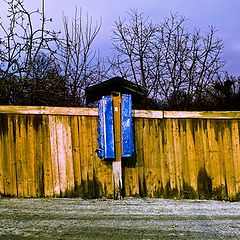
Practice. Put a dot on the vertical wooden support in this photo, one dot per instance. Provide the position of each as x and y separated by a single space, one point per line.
117 164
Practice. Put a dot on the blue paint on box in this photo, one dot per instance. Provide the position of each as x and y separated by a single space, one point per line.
105 128
127 126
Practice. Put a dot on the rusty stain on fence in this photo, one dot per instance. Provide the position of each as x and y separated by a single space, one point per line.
51 152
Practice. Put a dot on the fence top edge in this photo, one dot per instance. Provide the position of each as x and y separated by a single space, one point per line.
79 111
42 110
147 114
203 114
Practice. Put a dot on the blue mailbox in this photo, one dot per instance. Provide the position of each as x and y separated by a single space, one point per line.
129 92
106 127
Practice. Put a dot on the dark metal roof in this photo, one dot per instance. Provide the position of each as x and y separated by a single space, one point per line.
115 84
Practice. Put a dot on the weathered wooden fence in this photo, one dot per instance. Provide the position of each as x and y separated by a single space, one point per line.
48 151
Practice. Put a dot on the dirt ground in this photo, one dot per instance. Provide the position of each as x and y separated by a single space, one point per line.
130 218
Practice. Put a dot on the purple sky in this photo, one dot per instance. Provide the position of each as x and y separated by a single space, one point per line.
223 14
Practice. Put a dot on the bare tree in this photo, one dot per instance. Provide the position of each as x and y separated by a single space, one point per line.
22 39
81 65
191 62
132 42
175 65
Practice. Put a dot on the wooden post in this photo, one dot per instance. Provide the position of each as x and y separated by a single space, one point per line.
117 164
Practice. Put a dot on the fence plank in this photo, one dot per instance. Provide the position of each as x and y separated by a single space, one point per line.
76 153
163 159
89 157
43 150
139 157
24 159
191 150
229 160
19 164
30 152
147 174
54 155
214 155
170 157
236 153
84 156
187 189
61 153
11 157
177 156
39 154
221 191
67 136
203 186
158 149
6 167
99 169
1 159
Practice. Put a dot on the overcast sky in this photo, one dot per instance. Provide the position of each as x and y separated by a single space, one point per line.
223 14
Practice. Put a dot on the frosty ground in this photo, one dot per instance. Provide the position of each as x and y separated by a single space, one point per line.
130 218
